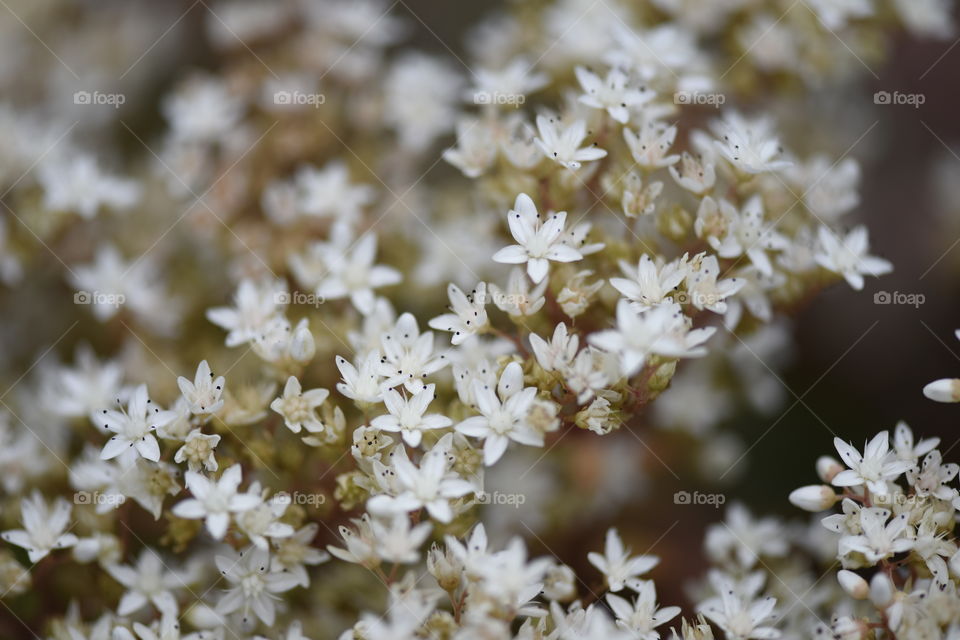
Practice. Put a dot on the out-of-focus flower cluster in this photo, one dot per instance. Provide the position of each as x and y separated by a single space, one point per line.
346 296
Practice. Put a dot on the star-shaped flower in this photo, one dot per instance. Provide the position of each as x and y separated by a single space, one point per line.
537 241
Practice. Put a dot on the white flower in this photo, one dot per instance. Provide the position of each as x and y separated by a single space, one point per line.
134 427
559 353
507 86
563 145
650 283
848 256
361 546
469 316
537 241
75 182
203 111
253 584
749 145
149 581
263 521
295 551
328 192
408 355
704 290
44 527
407 415
519 299
361 385
476 148
197 450
504 415
298 407
875 468
733 233
397 539
644 616
649 148
612 93
616 565
745 539
904 447
430 486
353 274
741 618
879 539
255 304
214 501
203 394
663 330
695 174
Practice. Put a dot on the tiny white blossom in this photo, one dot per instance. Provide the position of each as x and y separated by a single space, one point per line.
134 427
562 144
407 415
649 147
203 395
617 566
44 527
298 407
468 317
408 355
663 330
612 93
749 145
214 501
504 415
874 469
538 242
848 256
253 584
355 276
432 485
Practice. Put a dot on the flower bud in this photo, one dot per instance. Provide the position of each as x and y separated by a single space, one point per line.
881 590
853 584
560 584
944 390
302 346
813 497
444 566
828 467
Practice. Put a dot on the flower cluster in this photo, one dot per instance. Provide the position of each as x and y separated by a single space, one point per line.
348 296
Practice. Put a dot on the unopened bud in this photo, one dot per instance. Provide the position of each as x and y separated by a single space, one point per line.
814 497
853 584
944 390
881 590
828 467
302 346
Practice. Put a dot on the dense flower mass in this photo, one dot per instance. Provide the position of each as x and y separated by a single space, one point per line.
346 299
